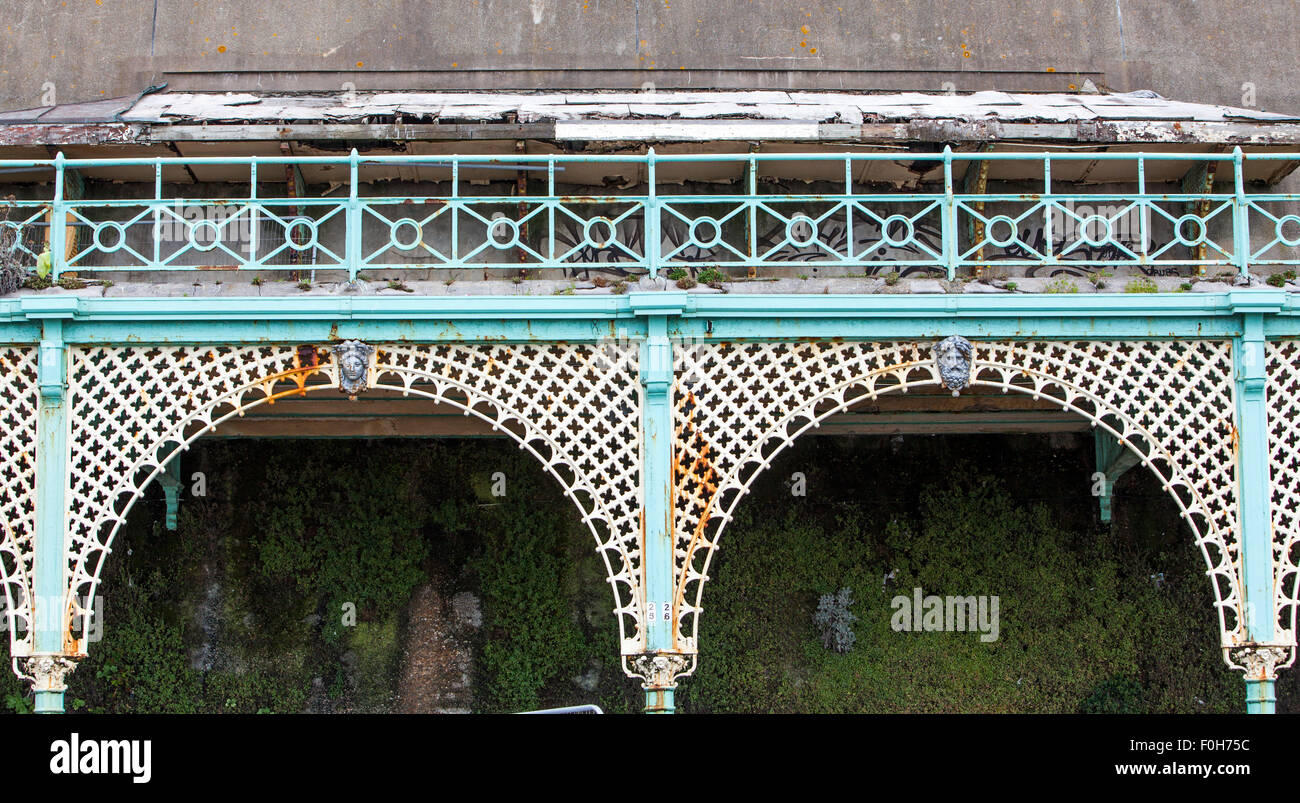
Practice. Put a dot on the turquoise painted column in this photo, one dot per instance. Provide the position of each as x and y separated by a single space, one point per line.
170 480
1113 459
353 223
660 661
1254 500
47 665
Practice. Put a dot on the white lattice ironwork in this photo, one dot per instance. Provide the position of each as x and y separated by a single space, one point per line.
1281 389
578 411
19 406
738 405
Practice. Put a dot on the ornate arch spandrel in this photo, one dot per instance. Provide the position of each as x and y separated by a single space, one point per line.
19 409
1282 401
133 409
736 406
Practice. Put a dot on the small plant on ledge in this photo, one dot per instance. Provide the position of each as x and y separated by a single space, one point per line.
1061 285
712 277
1280 279
1141 285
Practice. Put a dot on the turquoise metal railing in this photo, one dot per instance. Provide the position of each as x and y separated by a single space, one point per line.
948 232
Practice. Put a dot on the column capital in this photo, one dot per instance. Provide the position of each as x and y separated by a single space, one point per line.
48 672
660 670
1261 661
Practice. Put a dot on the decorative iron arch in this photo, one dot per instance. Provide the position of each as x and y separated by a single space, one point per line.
19 402
1170 402
133 409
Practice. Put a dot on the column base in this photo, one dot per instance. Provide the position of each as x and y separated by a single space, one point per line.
1260 698
659 701
48 702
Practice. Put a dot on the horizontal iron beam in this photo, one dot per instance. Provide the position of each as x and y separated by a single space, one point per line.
603 318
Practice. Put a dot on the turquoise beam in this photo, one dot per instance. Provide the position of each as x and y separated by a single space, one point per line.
1254 504
594 318
51 471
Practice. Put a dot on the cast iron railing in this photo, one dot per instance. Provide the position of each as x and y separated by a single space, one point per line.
960 230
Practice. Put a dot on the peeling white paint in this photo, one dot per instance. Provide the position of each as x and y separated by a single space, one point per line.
828 107
539 7
685 130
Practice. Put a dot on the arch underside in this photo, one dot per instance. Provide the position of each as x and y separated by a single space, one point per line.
1170 402
577 411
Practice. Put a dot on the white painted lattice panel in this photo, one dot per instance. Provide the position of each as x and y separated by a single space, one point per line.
574 408
19 408
1281 391
738 405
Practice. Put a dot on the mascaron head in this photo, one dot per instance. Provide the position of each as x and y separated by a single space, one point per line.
952 356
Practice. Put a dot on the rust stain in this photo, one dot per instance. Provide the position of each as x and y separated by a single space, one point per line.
306 356
702 473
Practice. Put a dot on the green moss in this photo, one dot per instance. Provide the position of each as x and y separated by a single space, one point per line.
378 653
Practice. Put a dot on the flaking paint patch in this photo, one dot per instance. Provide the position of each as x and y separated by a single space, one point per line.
538 7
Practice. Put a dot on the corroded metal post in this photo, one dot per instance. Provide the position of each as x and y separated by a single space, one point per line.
660 608
1260 656
948 226
47 665
352 247
1240 220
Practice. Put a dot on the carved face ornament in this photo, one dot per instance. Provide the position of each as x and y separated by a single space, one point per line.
354 366
952 356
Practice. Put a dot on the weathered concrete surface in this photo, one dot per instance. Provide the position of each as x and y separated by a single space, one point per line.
438 661
1205 51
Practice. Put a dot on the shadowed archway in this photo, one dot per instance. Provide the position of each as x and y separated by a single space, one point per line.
1169 402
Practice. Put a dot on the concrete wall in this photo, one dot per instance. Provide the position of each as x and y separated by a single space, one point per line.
1202 50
